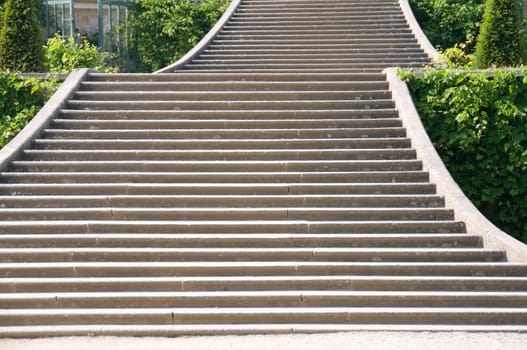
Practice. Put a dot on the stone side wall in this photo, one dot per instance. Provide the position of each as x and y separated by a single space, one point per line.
86 17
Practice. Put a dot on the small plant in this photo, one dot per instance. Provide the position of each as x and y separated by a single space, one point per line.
64 55
20 41
456 57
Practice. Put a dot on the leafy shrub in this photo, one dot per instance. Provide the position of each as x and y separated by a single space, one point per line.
167 29
479 127
456 57
499 41
20 100
20 41
449 22
64 55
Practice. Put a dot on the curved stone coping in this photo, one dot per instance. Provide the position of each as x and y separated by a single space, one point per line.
421 37
446 186
43 118
204 43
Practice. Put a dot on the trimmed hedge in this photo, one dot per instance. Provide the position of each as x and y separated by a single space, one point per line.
499 40
20 38
20 100
478 124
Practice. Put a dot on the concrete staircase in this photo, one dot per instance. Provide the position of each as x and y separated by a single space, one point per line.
268 187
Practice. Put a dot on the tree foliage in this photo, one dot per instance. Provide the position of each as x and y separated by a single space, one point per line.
499 40
20 37
479 127
167 29
450 22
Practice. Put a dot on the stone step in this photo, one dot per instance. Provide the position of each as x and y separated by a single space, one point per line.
263 299
247 315
226 96
281 35
304 61
392 186
238 86
331 6
226 155
261 283
307 17
227 201
198 255
153 144
291 48
334 67
262 269
293 104
254 240
340 14
356 22
259 114
283 51
218 166
158 124
294 70
232 177
319 30
228 213
222 133
231 226
190 76
299 56
306 7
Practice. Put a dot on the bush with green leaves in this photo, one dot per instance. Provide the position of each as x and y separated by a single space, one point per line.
450 22
456 57
499 40
20 37
164 30
20 100
64 55
479 127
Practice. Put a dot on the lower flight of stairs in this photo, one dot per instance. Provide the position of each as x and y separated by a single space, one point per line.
233 202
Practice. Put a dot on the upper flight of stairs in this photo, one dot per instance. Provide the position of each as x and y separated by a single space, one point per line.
267 187
317 36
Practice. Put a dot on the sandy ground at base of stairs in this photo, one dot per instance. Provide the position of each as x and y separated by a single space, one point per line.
333 341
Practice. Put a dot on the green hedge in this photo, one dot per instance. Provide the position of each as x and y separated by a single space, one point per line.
499 40
479 127
20 100
20 37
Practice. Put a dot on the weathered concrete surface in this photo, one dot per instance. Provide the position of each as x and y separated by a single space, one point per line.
333 341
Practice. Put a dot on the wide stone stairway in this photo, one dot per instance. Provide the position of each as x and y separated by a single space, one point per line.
269 186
